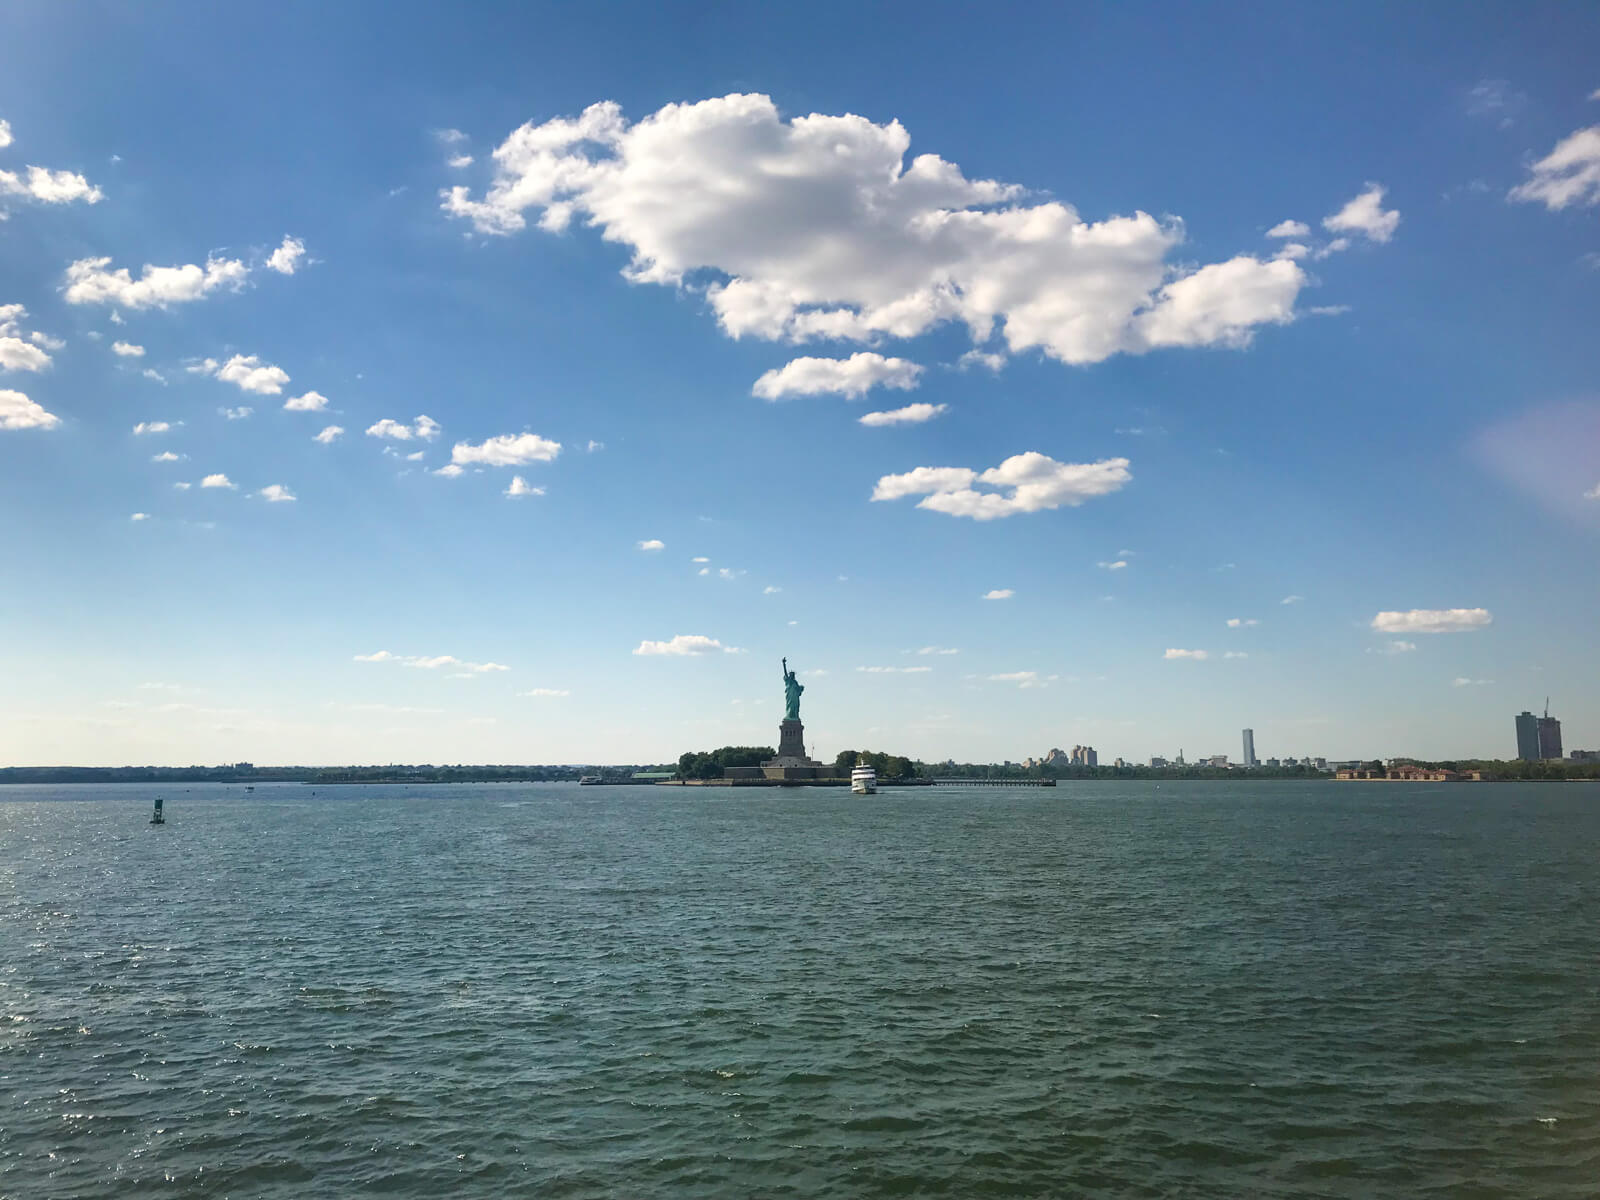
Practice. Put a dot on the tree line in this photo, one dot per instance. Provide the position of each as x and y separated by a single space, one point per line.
884 766
709 764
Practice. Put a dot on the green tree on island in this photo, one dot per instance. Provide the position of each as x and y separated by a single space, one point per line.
885 766
709 764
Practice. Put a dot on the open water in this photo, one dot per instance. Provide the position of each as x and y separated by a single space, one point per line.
1191 990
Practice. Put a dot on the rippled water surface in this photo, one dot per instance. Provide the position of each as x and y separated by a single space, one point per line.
1193 990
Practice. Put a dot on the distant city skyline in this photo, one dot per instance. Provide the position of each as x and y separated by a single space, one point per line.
518 385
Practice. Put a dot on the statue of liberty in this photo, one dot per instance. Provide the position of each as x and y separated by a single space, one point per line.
792 688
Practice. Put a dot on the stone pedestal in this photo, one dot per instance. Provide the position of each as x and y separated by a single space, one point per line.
791 752
792 744
793 765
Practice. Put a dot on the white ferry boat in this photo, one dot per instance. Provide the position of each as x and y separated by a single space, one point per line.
863 781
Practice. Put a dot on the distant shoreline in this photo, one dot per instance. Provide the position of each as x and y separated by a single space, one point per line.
623 776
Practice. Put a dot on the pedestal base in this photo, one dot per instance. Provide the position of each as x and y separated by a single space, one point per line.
792 764
791 744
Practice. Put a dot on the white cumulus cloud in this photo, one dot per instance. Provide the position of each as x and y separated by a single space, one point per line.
521 487
1120 564
218 481
851 377
546 692
1289 229
894 670
1221 304
152 427
89 282
507 450
236 414
1291 600
286 258
1365 215
1432 620
140 517
423 427
652 544
818 227
938 650
329 433
310 402
276 493
1023 483
168 456
685 644
20 352
49 187
1192 654
999 594
911 414
993 361
19 412
1242 622
1398 646
250 374
1569 174
127 350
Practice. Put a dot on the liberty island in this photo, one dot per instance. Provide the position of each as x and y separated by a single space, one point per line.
791 765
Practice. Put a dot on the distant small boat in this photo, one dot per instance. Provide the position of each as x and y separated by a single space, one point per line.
157 818
249 787
863 781
587 780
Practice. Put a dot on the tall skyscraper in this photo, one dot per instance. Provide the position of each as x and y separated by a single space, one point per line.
1250 748
1528 736
1549 734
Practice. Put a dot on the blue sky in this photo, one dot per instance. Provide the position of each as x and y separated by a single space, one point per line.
1290 313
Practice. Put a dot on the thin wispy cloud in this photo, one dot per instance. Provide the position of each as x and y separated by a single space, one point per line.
433 662
1433 620
911 414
